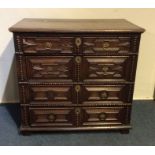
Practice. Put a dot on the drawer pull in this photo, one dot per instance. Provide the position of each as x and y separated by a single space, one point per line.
51 117
78 59
77 110
77 88
105 68
106 45
102 116
78 42
48 45
104 95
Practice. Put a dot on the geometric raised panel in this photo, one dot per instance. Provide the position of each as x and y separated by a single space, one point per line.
100 94
50 67
107 68
51 45
53 95
51 117
109 45
101 116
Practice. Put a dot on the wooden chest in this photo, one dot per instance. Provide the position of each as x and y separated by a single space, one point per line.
76 74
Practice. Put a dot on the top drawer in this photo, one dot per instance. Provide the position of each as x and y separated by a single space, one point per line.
70 44
42 44
106 45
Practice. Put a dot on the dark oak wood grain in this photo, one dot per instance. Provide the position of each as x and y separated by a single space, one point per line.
76 74
75 25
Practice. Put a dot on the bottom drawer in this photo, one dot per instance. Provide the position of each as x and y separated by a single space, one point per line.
79 116
105 116
56 117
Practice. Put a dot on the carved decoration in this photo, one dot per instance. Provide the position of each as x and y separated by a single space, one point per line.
18 44
50 68
51 117
21 67
106 44
21 72
54 70
104 95
135 40
51 93
94 94
103 116
99 68
46 44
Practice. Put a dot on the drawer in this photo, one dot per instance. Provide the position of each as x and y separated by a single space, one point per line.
51 117
79 116
54 95
107 45
105 94
50 68
76 94
108 68
47 44
100 116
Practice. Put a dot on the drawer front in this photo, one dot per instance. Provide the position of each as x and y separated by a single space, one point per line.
55 95
51 68
47 45
108 68
106 45
100 116
51 117
105 94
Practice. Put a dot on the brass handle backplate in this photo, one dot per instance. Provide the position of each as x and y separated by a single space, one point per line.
78 41
78 59
77 88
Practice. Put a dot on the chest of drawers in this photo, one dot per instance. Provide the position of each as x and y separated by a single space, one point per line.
76 74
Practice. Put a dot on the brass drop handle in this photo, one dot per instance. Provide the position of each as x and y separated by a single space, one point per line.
48 44
78 59
105 45
102 116
78 41
77 88
104 95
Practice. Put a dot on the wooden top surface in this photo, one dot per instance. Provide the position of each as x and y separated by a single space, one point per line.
75 25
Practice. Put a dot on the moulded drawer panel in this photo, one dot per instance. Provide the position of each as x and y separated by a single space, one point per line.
51 117
106 45
101 116
51 68
104 94
47 45
108 68
55 95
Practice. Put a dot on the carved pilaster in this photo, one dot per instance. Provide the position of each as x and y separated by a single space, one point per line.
136 40
21 69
